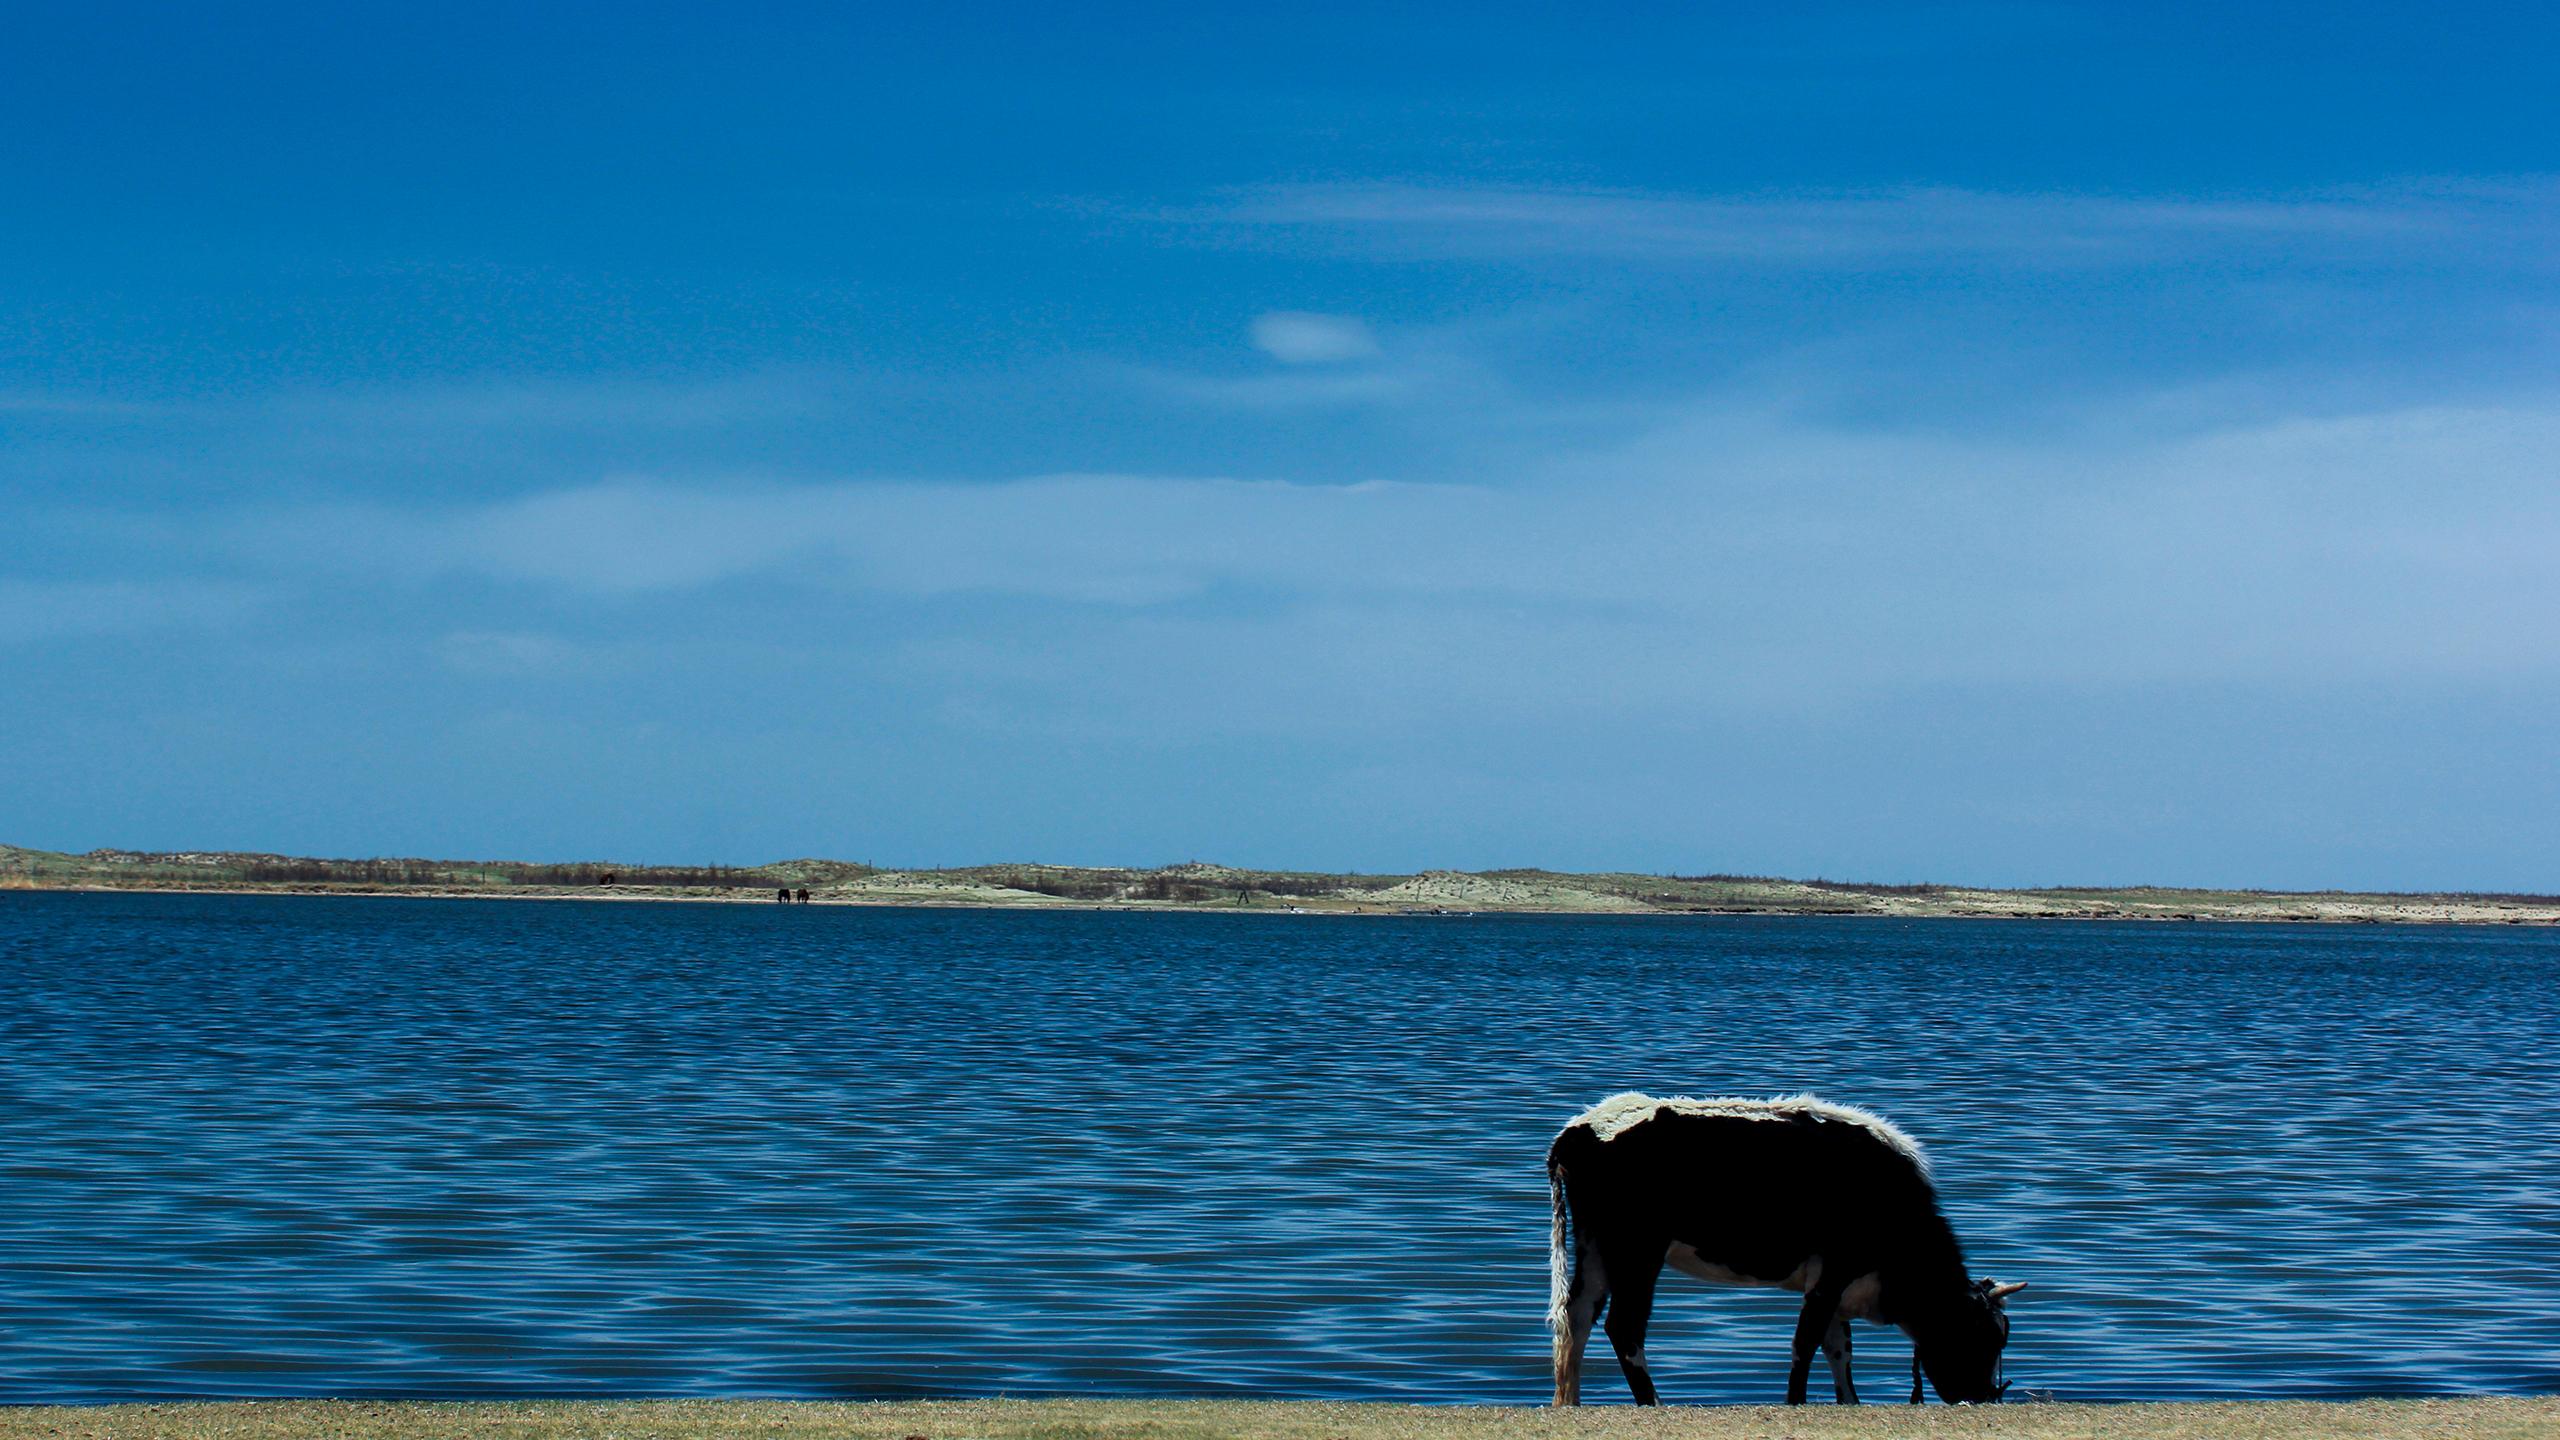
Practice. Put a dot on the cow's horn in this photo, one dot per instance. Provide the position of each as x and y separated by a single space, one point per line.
2003 1292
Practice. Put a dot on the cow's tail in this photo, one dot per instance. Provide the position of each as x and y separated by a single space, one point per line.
1560 1261
1567 1236
1577 1145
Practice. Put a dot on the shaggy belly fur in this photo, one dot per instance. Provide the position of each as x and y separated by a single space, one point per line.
1857 1302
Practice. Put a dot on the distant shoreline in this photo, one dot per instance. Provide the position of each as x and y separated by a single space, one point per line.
1203 888
758 896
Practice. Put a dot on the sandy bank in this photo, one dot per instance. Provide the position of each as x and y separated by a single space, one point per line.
1442 899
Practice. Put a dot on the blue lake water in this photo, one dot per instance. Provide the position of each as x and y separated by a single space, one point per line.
285 1146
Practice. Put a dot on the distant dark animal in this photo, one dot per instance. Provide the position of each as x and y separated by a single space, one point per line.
782 895
1826 1200
605 879
804 897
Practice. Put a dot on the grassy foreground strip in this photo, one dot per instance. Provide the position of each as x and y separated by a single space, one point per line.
2478 1419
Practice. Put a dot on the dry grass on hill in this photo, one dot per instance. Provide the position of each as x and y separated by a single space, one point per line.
1197 885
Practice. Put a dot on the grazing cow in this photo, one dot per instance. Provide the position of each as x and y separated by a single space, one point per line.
1796 1193
801 896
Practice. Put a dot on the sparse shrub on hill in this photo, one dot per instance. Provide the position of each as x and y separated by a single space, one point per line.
1161 886
1854 887
1066 884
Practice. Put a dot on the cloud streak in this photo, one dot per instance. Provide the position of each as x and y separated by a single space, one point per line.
1744 553
1914 226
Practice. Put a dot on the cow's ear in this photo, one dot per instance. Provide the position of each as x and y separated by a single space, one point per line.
1998 1291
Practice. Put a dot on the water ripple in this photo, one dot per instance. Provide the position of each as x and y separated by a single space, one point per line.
287 1147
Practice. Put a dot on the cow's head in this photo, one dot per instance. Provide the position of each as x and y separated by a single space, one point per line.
1963 1356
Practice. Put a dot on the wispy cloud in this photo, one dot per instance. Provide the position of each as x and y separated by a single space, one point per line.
1393 383
1739 548
48 610
1879 227
508 654
552 405
491 434
1297 337
1106 540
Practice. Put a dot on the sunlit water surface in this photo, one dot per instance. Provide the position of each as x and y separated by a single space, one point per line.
255 1146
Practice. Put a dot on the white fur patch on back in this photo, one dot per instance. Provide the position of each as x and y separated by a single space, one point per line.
1623 1111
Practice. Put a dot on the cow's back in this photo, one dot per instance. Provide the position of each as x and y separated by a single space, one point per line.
1756 1187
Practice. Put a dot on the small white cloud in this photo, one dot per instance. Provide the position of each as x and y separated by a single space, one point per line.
1298 337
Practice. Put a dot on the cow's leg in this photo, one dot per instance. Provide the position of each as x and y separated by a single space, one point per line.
1633 1269
1581 1309
1835 1348
1821 1307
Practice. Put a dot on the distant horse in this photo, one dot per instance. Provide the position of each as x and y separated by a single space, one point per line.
1827 1200
784 896
804 897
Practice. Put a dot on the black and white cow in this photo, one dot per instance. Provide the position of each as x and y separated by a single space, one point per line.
1827 1200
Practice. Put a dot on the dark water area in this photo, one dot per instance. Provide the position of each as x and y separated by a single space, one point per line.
290 1146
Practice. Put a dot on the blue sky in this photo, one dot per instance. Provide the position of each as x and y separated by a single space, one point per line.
2011 443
